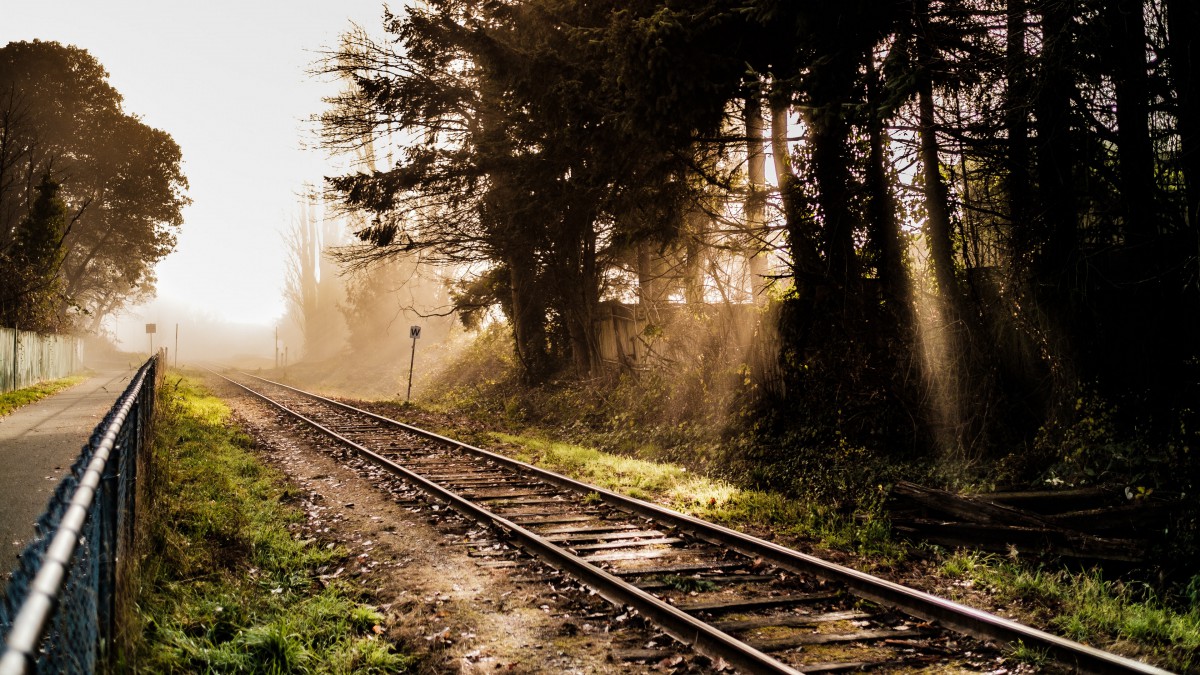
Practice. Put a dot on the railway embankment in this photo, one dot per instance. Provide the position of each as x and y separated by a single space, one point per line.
637 545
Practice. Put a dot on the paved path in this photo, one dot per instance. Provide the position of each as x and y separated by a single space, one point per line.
38 444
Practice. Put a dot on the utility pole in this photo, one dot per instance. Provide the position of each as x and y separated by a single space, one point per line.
276 345
177 345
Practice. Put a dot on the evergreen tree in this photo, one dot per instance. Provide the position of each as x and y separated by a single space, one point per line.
32 282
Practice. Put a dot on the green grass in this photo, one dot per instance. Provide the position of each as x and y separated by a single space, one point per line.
1038 658
11 400
1086 607
1083 607
833 497
222 584
708 498
687 584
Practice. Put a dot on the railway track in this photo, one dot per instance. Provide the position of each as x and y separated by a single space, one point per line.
753 604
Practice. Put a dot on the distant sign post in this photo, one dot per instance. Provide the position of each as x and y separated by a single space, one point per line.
414 332
151 328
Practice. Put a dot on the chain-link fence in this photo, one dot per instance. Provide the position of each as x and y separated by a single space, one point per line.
58 613
28 358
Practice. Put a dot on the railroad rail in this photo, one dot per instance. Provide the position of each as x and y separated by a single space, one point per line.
759 606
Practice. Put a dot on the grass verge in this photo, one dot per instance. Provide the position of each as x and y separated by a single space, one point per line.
709 498
1086 607
1081 606
222 585
11 400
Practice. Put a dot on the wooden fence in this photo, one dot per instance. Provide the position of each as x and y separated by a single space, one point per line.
28 358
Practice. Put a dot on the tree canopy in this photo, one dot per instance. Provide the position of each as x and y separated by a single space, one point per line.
119 183
981 209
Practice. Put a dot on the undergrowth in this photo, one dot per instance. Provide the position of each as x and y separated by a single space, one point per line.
222 585
11 400
712 499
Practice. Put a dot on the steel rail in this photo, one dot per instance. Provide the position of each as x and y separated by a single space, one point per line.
703 637
956 616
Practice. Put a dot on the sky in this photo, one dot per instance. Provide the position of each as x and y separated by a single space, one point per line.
228 80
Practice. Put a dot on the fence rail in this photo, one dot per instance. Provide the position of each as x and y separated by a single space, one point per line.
27 358
58 613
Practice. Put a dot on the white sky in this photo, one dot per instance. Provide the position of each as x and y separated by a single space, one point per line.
227 79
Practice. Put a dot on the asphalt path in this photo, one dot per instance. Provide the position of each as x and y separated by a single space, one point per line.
38 444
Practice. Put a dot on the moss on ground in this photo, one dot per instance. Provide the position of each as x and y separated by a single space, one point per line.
11 400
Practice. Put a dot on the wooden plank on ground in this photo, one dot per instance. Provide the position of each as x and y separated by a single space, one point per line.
586 529
809 639
625 543
628 555
640 654
600 534
1055 541
1052 501
709 578
727 606
847 667
969 510
680 568
540 519
790 620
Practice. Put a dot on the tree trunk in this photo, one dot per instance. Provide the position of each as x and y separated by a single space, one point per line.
579 287
78 271
805 262
1183 27
1016 123
652 286
1056 158
1135 154
693 270
528 317
828 136
937 221
881 212
755 204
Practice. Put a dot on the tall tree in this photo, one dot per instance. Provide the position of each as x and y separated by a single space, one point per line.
1016 124
1056 160
121 180
755 204
1183 24
1126 24
30 269
936 198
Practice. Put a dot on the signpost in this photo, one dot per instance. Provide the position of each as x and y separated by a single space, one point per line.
414 332
150 330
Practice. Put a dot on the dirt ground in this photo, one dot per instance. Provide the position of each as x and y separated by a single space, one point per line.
452 593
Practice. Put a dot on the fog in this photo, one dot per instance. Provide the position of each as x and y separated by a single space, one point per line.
203 337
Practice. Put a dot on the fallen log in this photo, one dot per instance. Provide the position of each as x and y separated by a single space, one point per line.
1137 517
1028 540
1048 502
969 510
